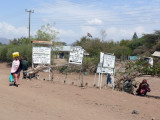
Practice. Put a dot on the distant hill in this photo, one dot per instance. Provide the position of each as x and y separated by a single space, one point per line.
4 40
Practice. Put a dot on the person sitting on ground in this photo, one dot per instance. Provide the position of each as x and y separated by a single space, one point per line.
143 88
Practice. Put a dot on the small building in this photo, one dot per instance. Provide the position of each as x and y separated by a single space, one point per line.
149 60
62 51
134 57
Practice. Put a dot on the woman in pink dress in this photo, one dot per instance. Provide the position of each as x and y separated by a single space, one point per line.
15 70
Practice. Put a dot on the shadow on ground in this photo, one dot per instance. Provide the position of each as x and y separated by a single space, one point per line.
152 96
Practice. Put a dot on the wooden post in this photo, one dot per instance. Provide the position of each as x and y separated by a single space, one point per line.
66 74
101 81
94 79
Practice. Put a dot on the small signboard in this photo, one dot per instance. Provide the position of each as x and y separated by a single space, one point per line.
107 70
76 55
108 61
101 69
41 55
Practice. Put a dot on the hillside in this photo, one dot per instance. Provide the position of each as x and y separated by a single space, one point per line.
4 40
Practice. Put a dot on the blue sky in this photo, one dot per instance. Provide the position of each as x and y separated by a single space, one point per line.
74 18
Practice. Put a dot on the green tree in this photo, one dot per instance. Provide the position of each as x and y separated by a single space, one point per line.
46 33
125 43
84 40
135 36
157 46
149 40
19 41
121 51
92 46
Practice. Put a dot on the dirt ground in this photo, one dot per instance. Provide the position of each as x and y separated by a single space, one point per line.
56 100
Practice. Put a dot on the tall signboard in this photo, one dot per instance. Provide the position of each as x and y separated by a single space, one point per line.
106 64
76 55
41 55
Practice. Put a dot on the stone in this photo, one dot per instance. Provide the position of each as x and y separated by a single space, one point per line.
135 112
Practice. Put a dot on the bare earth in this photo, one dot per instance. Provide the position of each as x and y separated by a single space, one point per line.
54 100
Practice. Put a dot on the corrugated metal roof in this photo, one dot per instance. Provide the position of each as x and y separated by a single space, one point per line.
66 49
156 53
62 48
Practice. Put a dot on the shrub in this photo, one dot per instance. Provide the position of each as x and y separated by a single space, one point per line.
90 64
143 68
24 50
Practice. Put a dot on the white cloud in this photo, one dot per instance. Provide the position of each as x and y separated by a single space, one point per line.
89 29
10 31
68 11
66 33
124 33
95 22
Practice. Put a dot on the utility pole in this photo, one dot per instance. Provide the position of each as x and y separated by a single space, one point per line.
29 11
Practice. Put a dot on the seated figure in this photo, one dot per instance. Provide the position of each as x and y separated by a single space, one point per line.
143 88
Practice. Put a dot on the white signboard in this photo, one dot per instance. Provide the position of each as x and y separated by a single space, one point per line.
108 61
76 55
107 70
41 55
101 69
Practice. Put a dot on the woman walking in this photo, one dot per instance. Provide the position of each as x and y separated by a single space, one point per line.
16 68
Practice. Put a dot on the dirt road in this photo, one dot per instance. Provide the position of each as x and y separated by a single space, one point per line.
46 100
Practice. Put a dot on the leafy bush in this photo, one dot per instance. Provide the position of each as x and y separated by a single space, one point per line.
143 67
3 55
24 50
63 69
90 64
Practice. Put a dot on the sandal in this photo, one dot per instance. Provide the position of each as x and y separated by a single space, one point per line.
16 85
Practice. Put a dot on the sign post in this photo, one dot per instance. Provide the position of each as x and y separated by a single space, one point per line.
41 55
106 65
76 57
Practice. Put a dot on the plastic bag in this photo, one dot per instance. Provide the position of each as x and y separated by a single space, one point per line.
11 78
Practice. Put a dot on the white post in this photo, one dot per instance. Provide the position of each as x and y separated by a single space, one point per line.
99 80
